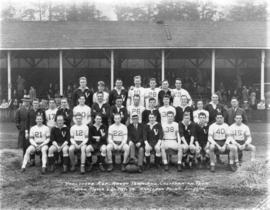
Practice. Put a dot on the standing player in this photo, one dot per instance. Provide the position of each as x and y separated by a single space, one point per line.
136 90
220 143
172 140
183 108
164 91
151 110
84 110
241 137
39 139
119 90
136 108
214 107
117 141
165 109
178 92
50 114
101 88
60 140
101 108
118 108
151 92
153 136
83 90
97 142
65 112
78 139
199 110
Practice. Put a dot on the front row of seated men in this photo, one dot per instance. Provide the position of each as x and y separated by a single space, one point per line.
194 143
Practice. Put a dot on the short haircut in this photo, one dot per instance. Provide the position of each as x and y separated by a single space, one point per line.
60 115
82 78
101 83
152 79
152 114
238 115
234 98
118 79
81 95
166 96
178 78
152 99
186 114
137 77
36 100
202 114
219 114
118 97
170 112
78 114
39 115
98 115
52 100
136 95
165 80
64 98
100 92
117 114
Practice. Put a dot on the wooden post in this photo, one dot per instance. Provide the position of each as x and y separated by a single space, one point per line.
9 74
112 68
162 65
213 71
61 72
262 73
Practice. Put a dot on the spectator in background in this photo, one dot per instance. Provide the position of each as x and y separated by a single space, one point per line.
244 94
50 93
32 93
253 100
69 95
20 86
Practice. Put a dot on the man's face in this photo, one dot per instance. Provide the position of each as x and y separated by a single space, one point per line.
238 119
166 101
26 103
219 119
215 98
35 104
165 85
101 87
184 100
170 118
118 84
137 82
186 119
117 119
202 119
98 119
100 98
152 103
200 105
152 84
135 120
60 121
39 120
118 102
152 118
78 120
136 101
52 105
234 103
81 100
178 84
64 103
83 83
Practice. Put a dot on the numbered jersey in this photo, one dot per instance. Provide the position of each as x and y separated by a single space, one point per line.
177 94
239 132
170 131
163 113
79 133
50 117
151 93
85 112
39 133
118 132
136 91
219 132
137 110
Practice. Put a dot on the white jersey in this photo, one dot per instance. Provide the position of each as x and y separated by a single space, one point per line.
118 132
219 132
39 133
239 132
151 93
50 117
177 94
196 115
105 97
79 133
85 112
136 109
136 91
170 131
163 113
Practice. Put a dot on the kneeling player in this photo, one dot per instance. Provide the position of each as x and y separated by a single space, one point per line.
39 139
153 136
97 143
241 137
78 140
218 136
117 141
172 140
60 138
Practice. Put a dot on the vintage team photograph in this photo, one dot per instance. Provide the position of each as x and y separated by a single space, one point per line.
143 104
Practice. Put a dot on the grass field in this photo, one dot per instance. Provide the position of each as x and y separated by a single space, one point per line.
247 188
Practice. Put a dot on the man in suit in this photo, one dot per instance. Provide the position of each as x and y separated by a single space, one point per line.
235 110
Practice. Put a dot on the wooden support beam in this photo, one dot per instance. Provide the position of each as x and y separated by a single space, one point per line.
9 74
213 70
112 68
262 73
162 65
61 72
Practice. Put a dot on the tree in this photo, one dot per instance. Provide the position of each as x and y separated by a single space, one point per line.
8 13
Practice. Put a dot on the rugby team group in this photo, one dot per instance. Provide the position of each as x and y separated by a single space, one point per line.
134 123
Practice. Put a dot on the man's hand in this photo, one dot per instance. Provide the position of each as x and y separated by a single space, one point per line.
102 132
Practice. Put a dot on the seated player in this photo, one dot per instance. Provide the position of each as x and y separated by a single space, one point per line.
60 140
165 109
117 141
39 139
101 108
118 108
186 130
97 143
65 111
84 110
201 139
241 137
183 108
220 143
172 140
151 110
135 141
51 113
153 136
78 139
198 111
136 108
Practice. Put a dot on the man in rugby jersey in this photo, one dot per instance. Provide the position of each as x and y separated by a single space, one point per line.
119 90
84 110
136 90
153 136
101 88
101 108
83 90
118 108
97 142
165 109
78 139
164 91
151 110
218 137
172 140
178 92
198 111
50 114
136 108
241 137
60 141
39 139
117 141
214 107
151 92
183 108
65 111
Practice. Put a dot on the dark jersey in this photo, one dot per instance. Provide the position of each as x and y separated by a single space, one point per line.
114 94
60 135
153 134
187 131
201 134
88 96
147 112
213 112
161 94
122 111
94 131
180 113
67 113
104 110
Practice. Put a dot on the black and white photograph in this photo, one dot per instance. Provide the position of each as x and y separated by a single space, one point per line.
142 104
